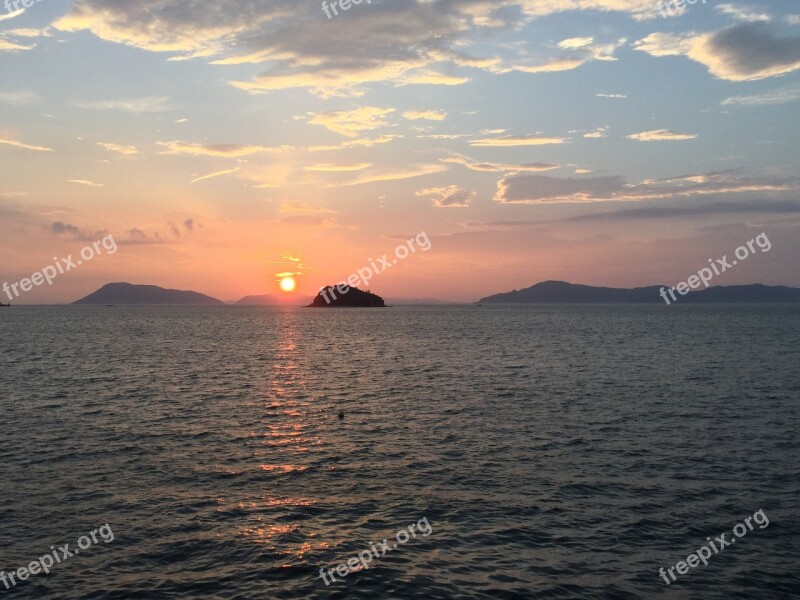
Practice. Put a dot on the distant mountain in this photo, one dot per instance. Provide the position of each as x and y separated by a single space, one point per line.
269 300
331 297
561 292
128 293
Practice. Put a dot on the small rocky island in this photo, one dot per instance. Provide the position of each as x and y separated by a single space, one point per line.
344 296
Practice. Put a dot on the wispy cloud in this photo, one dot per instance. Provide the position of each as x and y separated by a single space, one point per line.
8 46
517 140
21 98
136 105
426 115
395 174
217 174
85 182
351 123
448 197
12 15
23 146
600 132
770 98
119 149
217 150
499 167
573 53
359 143
742 12
661 135
542 189
334 168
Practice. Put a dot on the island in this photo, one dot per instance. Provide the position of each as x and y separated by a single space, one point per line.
344 296
128 293
561 292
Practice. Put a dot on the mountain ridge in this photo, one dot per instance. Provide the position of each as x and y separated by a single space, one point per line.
129 293
562 292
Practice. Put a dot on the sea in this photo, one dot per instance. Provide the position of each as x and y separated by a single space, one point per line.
505 452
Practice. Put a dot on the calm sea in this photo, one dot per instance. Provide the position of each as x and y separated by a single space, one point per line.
555 451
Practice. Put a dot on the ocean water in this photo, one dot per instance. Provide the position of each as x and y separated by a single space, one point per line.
555 451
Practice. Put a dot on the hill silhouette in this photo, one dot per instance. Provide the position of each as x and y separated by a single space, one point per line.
128 293
561 292
331 297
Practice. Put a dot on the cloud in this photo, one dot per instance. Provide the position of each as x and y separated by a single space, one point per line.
18 144
119 149
394 174
428 115
498 167
402 42
335 168
517 140
359 143
600 132
449 197
741 12
85 182
12 15
136 105
21 98
693 211
444 136
189 224
216 150
137 237
770 98
541 189
61 227
614 96
7 46
352 122
747 51
574 53
216 174
661 135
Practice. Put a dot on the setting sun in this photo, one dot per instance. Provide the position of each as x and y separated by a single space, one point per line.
288 284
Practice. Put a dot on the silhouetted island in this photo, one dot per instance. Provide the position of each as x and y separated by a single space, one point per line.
346 297
561 292
128 293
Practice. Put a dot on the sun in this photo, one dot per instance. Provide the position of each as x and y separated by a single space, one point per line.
288 284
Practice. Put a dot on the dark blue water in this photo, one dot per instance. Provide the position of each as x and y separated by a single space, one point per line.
557 452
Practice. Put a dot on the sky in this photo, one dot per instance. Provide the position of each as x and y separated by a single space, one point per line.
224 145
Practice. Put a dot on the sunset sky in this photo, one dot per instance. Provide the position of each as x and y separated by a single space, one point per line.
224 143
